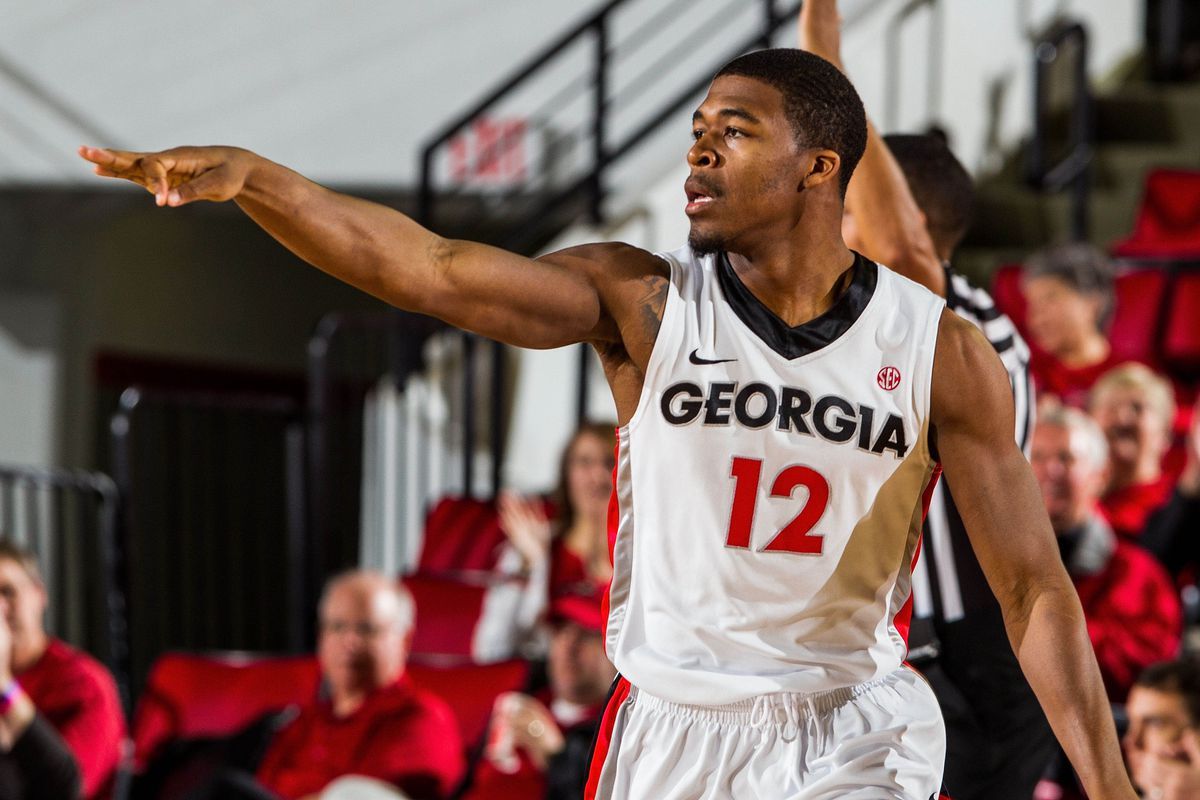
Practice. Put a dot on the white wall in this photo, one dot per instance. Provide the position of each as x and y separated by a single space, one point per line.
344 92
29 378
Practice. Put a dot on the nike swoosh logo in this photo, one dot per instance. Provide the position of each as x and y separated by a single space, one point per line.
696 359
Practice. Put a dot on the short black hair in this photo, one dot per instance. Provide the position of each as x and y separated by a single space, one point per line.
939 183
1181 677
820 102
1083 267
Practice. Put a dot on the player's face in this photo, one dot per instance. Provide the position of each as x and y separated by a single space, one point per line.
579 671
1133 426
589 475
746 166
1157 723
362 644
1070 482
1059 317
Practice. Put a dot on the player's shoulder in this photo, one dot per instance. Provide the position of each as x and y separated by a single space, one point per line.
611 258
961 347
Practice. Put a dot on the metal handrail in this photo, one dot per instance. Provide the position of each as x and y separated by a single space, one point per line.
603 152
1072 171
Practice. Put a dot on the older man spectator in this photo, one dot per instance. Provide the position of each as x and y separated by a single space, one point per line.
1132 610
61 723
1069 290
1162 742
374 722
1135 408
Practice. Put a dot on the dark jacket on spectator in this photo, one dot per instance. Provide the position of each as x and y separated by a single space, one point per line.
40 765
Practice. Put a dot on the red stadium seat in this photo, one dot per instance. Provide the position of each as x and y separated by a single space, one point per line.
470 689
1168 221
448 611
461 534
1137 314
1009 297
1181 331
200 696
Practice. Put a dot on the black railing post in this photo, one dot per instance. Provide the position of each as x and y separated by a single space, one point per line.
1072 171
581 397
116 605
425 195
317 451
120 432
1083 134
771 20
496 422
468 427
599 119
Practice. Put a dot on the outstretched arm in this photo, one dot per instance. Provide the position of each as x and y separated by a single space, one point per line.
890 226
994 488
547 302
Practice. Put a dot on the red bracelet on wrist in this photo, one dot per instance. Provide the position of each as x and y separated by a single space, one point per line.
9 696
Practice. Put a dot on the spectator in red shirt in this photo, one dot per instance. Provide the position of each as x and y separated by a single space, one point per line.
1135 408
1069 291
539 746
374 722
1132 610
51 694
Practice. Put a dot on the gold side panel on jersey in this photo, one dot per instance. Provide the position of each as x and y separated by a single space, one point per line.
875 554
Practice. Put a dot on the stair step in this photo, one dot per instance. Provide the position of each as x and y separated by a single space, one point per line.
1150 113
1127 163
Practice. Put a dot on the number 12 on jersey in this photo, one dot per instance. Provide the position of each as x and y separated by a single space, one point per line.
797 535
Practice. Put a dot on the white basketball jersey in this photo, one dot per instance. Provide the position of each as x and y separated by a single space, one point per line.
770 489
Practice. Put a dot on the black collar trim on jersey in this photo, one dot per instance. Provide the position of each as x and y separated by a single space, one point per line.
812 335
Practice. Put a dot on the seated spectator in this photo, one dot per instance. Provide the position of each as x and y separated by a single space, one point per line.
1162 743
61 723
1171 531
539 747
564 555
1132 609
1134 407
1069 291
374 722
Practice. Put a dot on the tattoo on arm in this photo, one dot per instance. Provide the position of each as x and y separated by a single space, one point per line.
651 305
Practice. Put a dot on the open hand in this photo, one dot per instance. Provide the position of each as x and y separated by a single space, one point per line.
530 725
178 176
524 522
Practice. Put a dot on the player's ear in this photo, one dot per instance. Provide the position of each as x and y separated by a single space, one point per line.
822 167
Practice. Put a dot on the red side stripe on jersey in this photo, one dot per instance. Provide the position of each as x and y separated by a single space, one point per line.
614 519
604 737
903 620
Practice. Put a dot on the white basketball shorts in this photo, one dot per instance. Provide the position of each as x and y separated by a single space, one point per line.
874 741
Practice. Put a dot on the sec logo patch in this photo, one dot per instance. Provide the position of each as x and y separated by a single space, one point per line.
888 378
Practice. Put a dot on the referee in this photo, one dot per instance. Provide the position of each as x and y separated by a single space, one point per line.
908 206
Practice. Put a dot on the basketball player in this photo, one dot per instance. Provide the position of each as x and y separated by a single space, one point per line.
782 421
909 205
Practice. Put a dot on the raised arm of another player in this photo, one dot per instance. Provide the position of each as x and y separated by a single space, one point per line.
890 226
972 415
559 299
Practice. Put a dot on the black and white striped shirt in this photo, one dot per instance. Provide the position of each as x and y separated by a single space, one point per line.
948 583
